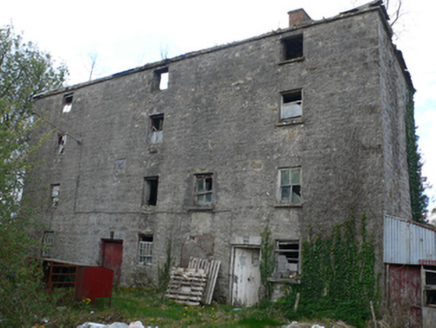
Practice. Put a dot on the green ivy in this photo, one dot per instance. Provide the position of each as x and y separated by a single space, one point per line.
338 278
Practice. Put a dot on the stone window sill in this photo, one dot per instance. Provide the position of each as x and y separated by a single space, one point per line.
290 61
201 208
288 205
295 121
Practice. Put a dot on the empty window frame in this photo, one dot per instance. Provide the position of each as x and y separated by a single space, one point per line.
47 243
55 190
429 286
203 189
289 185
68 103
62 141
291 105
161 79
150 191
145 249
287 254
156 128
292 47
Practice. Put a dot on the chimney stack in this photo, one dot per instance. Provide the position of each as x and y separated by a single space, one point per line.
298 17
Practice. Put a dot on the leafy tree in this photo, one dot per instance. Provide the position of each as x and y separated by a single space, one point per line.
24 72
418 199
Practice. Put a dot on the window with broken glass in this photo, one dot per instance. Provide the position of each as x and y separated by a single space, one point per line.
156 128
203 189
68 103
145 249
55 190
62 141
47 243
291 106
287 254
289 190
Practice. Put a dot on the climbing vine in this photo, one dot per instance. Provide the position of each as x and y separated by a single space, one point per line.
164 272
338 278
267 262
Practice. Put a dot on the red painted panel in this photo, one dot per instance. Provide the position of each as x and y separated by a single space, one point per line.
405 294
112 256
93 282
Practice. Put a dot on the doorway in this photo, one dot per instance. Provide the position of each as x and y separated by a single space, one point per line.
112 256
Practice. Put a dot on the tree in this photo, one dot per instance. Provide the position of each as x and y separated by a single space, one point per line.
418 199
24 72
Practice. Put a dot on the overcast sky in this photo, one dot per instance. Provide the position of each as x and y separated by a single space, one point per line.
131 33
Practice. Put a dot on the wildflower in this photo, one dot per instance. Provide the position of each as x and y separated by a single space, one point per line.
86 300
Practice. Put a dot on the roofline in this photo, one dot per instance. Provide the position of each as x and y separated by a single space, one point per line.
372 6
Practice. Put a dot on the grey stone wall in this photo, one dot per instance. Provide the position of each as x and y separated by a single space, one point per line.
221 111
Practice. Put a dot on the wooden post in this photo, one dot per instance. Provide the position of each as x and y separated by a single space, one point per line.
373 314
296 302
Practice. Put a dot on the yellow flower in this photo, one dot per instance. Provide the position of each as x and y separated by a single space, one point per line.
86 300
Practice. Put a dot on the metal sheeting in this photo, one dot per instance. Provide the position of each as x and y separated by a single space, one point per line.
406 242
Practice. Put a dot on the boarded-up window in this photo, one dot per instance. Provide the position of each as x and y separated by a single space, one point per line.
289 185
55 190
287 258
47 243
291 106
203 189
150 191
156 128
292 48
68 103
145 249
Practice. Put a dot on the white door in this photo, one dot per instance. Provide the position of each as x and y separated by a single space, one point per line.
246 276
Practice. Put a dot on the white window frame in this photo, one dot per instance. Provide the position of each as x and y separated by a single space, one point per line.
145 249
294 187
203 194
55 191
47 243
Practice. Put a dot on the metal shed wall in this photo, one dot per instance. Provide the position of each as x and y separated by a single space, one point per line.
406 242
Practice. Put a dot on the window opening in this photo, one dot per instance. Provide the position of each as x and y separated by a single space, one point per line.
62 141
156 128
55 189
203 189
68 103
47 243
145 249
292 47
287 258
161 79
289 185
430 287
150 191
292 105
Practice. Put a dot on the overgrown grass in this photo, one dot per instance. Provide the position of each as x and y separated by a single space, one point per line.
152 309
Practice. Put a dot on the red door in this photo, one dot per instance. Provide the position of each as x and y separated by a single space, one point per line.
112 256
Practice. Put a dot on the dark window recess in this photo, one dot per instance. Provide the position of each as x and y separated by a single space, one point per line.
430 287
292 105
150 191
156 128
68 103
292 48
160 79
288 258
203 189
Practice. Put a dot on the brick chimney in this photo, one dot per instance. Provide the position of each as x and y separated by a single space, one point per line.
298 17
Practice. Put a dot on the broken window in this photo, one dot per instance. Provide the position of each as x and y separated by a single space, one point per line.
145 249
429 286
289 182
287 259
291 106
203 189
47 243
68 103
150 191
161 79
62 141
156 128
55 189
292 47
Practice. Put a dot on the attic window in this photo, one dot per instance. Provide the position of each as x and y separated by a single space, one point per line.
68 103
292 48
291 106
161 79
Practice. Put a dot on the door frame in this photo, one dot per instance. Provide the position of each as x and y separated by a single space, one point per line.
111 241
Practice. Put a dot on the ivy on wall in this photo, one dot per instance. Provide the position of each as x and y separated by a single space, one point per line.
418 199
338 278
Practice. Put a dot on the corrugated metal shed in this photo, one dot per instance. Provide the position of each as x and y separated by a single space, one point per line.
407 242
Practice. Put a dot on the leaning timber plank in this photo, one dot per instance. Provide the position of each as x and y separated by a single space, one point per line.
212 281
